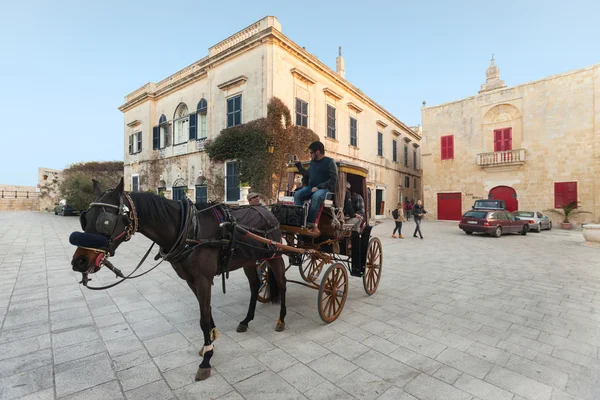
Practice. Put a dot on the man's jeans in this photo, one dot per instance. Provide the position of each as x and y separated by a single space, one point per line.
316 199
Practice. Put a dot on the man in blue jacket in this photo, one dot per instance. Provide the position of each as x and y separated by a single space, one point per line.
322 178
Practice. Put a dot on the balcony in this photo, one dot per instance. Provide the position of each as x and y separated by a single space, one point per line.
502 160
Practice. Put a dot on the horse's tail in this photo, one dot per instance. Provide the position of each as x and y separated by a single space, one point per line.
273 283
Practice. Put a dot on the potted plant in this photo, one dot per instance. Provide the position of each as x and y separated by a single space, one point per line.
245 189
566 211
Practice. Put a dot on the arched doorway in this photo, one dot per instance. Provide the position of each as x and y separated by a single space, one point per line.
506 193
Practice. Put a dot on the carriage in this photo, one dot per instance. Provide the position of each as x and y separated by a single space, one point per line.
339 250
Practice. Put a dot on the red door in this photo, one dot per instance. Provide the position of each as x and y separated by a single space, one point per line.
506 193
449 206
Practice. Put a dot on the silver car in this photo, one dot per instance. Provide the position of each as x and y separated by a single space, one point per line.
537 220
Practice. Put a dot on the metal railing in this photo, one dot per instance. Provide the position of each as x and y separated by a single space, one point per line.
18 194
506 157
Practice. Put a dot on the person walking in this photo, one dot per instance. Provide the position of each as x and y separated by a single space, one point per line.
398 214
407 209
418 212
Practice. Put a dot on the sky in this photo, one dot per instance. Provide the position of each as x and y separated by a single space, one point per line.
65 66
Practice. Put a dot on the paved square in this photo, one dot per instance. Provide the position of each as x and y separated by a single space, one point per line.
455 317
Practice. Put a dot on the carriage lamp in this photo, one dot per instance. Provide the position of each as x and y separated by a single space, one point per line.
270 148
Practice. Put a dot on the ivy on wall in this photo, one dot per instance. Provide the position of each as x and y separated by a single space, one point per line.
249 144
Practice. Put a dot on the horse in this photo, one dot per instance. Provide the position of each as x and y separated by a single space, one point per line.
116 215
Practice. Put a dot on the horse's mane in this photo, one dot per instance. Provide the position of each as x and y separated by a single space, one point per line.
152 206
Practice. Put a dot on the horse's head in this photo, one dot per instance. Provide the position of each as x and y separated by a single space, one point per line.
108 222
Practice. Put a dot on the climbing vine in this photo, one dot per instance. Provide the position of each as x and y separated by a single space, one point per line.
249 145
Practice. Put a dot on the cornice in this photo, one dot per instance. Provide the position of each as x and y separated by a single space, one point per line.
381 123
233 82
134 123
302 76
332 93
395 132
354 107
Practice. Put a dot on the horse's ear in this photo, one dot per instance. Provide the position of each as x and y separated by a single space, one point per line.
120 187
97 189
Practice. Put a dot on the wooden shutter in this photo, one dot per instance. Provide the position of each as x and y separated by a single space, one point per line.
444 146
507 139
498 140
155 138
193 129
559 194
571 192
139 141
450 147
130 144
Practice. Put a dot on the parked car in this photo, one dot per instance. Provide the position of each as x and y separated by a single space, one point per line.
489 204
492 222
537 220
62 208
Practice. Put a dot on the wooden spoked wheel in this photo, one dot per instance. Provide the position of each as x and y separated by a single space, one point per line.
263 288
372 274
333 293
311 268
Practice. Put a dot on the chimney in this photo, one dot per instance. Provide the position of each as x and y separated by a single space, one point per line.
339 64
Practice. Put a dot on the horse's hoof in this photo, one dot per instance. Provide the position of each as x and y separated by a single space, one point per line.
242 328
202 374
280 327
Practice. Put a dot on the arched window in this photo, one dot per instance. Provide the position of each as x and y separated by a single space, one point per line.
160 134
179 187
202 111
182 124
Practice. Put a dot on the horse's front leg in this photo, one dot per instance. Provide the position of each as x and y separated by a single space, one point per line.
254 282
207 325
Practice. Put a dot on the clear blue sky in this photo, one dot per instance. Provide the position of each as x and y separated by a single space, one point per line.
65 65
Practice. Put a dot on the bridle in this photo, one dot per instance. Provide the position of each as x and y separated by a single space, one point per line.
106 224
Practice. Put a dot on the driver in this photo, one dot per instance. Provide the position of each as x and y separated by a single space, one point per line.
322 176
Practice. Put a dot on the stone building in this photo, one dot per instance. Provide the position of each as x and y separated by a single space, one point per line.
167 123
535 145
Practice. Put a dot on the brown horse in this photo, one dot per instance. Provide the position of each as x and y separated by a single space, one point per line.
197 243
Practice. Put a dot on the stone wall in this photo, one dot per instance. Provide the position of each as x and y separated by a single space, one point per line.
556 123
18 198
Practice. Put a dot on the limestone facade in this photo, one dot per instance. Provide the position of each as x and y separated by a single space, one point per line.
18 198
257 63
553 128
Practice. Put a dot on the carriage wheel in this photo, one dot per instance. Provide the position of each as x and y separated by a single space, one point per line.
372 274
311 268
263 288
333 293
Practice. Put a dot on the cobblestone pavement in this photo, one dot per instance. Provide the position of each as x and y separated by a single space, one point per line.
455 317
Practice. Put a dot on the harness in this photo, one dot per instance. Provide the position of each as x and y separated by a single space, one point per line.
187 240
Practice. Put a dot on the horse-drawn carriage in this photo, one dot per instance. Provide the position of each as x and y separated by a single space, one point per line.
339 245
202 241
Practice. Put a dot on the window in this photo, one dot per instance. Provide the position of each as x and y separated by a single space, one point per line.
406 155
155 138
414 159
234 111
406 181
182 124
330 122
301 113
135 183
135 143
232 181
503 139
564 193
163 132
380 144
447 147
202 111
353 132
395 151
201 194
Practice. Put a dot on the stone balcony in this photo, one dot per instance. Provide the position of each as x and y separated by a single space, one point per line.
501 160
